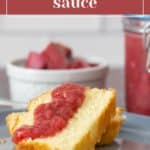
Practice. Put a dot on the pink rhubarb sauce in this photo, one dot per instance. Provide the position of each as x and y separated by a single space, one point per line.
137 77
51 118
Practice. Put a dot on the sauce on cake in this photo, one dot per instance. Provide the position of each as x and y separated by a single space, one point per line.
51 118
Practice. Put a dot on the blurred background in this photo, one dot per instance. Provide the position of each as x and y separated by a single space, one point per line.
87 35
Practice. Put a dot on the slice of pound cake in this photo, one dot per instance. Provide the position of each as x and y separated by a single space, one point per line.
113 128
70 117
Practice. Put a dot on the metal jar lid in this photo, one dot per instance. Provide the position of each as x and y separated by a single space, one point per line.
136 23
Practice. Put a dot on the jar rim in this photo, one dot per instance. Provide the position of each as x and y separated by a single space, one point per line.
136 23
139 17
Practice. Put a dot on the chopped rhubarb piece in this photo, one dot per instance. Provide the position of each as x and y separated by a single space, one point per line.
93 64
79 63
36 61
55 58
63 49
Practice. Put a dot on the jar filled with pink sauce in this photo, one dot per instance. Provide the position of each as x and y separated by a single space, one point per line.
137 63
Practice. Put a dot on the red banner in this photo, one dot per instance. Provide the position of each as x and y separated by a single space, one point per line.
146 6
2 6
76 6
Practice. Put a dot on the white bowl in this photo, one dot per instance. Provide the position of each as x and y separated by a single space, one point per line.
27 83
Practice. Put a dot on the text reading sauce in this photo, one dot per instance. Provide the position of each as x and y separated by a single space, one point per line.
52 117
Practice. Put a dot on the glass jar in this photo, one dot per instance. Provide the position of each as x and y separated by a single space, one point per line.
137 63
